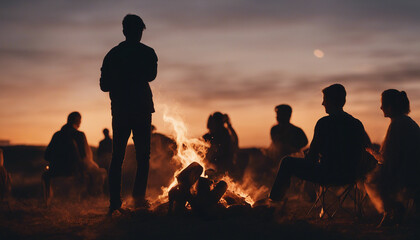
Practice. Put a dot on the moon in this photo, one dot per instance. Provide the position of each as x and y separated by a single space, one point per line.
319 53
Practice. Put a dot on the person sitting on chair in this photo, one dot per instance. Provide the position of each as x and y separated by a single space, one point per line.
286 138
5 180
398 160
68 155
335 152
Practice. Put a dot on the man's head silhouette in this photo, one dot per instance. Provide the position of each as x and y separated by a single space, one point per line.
284 112
133 27
74 119
334 98
106 132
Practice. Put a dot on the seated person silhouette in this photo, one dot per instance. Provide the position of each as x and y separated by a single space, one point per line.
286 138
105 150
163 147
5 180
335 152
69 155
398 161
223 142
162 165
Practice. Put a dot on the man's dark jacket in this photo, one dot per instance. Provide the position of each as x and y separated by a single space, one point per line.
126 72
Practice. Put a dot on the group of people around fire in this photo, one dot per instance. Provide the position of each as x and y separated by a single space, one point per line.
339 153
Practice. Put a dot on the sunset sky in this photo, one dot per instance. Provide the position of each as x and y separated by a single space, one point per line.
241 57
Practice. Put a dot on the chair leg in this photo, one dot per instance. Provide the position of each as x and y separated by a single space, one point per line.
335 205
317 200
341 198
331 209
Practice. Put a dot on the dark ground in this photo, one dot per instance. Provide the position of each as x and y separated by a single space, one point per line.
67 219
23 216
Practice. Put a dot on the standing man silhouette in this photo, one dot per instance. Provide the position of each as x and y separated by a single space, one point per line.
126 72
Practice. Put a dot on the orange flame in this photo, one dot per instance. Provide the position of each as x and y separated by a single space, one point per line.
189 150
238 190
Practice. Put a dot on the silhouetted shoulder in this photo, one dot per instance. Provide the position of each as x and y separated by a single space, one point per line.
112 52
405 120
81 135
150 51
147 47
296 128
123 46
356 122
323 121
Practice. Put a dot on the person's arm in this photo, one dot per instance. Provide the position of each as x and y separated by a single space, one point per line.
392 150
301 139
49 151
106 73
369 147
150 70
81 142
314 148
207 137
366 139
273 135
232 132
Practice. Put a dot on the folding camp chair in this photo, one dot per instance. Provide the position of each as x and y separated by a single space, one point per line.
330 199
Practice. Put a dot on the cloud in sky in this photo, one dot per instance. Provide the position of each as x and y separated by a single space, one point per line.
231 55
205 84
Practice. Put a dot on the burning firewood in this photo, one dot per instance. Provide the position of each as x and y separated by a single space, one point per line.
181 193
190 174
233 199
206 196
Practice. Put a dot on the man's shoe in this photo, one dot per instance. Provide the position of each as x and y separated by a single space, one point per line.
120 210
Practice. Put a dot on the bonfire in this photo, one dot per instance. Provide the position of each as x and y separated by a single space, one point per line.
197 184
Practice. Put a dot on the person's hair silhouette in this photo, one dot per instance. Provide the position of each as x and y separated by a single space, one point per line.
74 119
286 138
283 113
395 102
223 142
105 132
133 27
334 98
126 72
